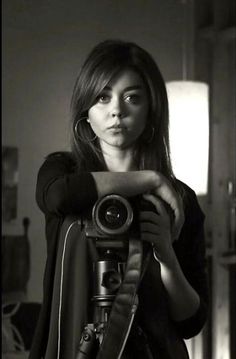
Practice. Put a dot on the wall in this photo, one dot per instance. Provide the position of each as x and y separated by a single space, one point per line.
44 44
215 57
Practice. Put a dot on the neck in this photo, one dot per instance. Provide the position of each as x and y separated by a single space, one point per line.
119 160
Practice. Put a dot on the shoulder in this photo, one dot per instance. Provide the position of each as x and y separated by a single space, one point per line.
64 157
57 164
60 155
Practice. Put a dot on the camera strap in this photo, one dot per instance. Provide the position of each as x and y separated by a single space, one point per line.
125 304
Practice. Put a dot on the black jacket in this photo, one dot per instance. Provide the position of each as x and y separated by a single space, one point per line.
62 191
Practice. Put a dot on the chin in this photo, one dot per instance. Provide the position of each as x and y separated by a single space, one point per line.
121 143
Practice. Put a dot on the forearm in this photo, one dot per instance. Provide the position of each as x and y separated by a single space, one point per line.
183 299
124 183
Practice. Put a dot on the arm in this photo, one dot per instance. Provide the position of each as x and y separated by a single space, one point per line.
183 275
60 190
183 299
126 184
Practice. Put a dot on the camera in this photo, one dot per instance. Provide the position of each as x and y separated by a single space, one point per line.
113 216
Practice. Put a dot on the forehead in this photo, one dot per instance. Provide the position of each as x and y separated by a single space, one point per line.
126 78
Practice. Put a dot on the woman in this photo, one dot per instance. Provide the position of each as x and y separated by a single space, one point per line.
120 145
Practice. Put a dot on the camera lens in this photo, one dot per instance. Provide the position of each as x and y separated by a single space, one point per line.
112 214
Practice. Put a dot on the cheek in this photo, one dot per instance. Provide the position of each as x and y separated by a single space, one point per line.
96 127
95 119
92 115
141 119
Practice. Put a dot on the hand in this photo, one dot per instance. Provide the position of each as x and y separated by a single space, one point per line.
165 190
156 229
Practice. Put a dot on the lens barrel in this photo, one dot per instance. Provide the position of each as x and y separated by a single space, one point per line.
112 215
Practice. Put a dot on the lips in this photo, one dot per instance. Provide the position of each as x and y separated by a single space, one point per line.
116 129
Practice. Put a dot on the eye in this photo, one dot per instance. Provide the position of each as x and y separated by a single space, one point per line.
103 98
133 98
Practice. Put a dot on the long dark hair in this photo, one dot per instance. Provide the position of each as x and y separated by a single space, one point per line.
104 62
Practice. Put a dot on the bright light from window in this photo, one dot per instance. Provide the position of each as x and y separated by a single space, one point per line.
189 132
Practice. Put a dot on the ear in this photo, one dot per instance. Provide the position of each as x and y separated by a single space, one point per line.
88 120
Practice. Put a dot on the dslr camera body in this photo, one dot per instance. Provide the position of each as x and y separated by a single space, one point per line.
113 217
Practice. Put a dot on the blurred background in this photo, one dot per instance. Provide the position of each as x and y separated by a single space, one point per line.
44 44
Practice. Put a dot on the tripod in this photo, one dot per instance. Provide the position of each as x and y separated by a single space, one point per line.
108 273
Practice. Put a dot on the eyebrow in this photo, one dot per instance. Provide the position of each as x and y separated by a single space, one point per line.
129 88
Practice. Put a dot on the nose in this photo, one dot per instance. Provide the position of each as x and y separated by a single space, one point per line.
116 114
117 110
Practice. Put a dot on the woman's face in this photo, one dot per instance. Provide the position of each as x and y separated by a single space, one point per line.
120 113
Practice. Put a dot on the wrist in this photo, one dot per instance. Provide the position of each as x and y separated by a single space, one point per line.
156 179
169 260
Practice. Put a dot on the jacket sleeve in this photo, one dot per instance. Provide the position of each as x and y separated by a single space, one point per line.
190 251
61 190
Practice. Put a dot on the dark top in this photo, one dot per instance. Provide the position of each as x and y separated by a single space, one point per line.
61 191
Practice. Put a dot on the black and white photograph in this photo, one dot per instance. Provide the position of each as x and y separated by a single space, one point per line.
118 179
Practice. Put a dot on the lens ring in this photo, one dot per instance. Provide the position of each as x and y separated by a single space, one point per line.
112 229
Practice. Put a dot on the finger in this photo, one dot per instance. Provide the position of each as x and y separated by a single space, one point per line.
179 218
157 203
166 191
149 216
149 228
148 237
